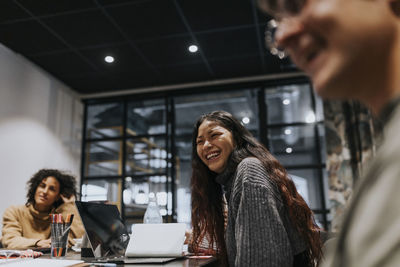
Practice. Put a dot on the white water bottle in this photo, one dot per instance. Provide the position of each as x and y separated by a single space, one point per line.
152 214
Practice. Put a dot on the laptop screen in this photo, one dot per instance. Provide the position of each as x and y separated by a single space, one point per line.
156 240
104 228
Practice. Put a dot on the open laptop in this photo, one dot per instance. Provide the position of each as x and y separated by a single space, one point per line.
110 242
105 231
156 240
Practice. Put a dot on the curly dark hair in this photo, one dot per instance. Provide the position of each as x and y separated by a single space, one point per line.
207 195
67 185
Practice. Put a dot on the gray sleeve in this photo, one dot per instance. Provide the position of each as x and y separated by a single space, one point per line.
261 238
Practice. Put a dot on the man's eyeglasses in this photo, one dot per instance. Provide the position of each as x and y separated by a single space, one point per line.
270 42
280 9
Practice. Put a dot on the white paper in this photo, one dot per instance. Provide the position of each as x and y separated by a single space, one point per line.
38 263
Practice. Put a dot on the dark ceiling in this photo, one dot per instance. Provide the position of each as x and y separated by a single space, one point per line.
149 40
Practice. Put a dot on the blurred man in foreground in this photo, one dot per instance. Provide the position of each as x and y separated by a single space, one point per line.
351 50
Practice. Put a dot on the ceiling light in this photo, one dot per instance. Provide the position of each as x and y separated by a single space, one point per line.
288 131
193 48
286 101
310 118
246 120
289 150
109 59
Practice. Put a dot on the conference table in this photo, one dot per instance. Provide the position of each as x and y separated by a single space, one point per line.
182 262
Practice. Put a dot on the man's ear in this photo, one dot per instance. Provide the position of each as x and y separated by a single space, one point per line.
395 7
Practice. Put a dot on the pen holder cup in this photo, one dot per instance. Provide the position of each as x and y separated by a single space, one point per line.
59 240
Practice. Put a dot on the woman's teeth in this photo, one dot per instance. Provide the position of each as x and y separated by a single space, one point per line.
212 155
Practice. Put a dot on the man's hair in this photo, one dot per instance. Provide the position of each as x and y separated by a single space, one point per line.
268 6
275 7
67 185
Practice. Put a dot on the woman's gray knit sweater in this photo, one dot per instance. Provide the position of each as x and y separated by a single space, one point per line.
259 232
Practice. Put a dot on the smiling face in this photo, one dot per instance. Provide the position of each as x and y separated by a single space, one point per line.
345 46
214 144
47 192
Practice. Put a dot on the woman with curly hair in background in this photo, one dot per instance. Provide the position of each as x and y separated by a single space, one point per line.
49 191
268 222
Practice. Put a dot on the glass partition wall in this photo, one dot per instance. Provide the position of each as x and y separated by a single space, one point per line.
127 156
134 147
296 137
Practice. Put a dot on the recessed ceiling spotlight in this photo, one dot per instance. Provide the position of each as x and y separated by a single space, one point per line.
109 59
286 101
246 120
310 118
288 131
289 150
193 48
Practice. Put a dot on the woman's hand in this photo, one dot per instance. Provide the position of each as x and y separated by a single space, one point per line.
46 243
68 199
188 236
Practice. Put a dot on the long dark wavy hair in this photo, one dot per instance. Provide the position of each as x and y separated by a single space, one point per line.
207 196
67 185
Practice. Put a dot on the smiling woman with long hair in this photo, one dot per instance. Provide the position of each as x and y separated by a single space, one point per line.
268 223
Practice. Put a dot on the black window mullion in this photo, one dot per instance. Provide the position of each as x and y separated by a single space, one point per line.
306 166
83 149
262 120
173 156
320 177
108 177
319 159
294 124
167 148
124 144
